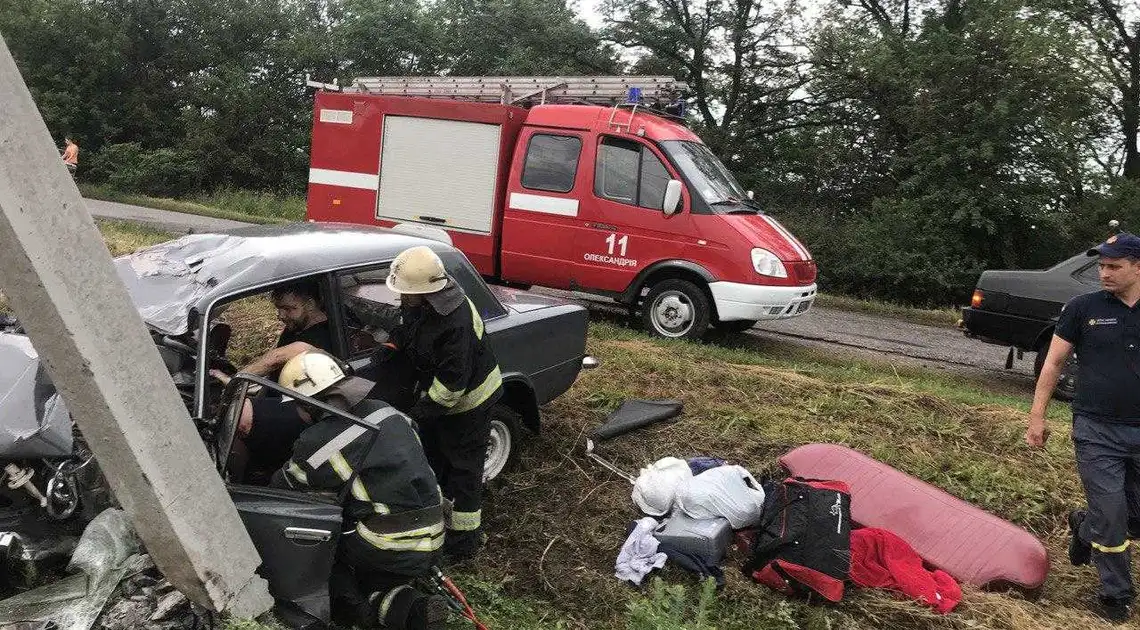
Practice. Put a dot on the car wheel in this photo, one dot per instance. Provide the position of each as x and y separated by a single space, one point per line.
676 309
736 326
1067 383
502 446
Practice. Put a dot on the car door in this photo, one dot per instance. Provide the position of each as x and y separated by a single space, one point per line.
628 230
295 533
541 214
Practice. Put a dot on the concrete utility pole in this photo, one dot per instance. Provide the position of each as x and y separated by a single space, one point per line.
58 275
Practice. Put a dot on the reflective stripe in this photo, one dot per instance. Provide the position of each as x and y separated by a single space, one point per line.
297 473
381 508
480 394
359 492
1116 549
386 603
442 395
466 521
342 440
476 320
340 465
424 539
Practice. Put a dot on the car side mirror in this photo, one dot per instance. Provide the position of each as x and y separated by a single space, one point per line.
672 198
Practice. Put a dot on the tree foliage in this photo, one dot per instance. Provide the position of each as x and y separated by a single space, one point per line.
910 143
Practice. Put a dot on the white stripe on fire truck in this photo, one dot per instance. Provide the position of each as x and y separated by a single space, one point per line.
348 179
544 204
792 240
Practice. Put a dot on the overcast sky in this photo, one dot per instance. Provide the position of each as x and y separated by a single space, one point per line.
588 10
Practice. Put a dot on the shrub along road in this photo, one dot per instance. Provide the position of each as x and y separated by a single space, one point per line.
860 334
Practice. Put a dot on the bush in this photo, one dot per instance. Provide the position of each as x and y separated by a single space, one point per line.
128 167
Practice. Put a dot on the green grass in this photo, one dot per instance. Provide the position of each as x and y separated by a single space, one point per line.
243 206
947 316
555 523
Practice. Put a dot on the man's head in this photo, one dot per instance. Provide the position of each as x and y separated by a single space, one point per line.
298 305
1119 263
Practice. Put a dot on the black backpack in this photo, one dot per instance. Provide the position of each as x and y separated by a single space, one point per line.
803 542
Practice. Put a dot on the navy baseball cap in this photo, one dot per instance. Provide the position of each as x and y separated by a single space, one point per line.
1121 245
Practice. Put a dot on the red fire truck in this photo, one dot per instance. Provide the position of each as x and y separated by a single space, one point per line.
583 189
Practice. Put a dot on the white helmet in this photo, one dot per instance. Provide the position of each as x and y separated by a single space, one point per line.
657 485
417 271
311 373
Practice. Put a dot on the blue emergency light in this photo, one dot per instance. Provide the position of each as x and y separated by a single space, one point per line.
634 96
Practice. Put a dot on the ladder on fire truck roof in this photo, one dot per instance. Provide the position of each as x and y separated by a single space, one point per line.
512 90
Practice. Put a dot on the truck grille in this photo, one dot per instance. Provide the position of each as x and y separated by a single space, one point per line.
801 273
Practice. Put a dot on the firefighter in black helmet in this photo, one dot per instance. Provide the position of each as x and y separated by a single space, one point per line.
457 383
392 503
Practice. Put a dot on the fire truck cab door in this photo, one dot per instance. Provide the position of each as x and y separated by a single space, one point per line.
542 211
627 229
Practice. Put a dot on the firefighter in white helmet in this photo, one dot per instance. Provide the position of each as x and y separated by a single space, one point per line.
457 382
392 502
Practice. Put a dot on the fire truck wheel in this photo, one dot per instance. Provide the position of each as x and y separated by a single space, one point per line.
676 309
503 445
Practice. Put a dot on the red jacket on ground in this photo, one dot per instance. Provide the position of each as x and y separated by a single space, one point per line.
880 559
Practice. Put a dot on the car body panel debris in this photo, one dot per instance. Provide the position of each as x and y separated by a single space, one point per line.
107 552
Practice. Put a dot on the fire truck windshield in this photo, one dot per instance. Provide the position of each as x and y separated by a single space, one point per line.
705 172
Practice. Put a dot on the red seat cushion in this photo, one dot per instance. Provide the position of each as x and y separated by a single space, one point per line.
967 542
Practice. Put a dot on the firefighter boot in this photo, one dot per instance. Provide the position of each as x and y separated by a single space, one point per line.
459 547
405 608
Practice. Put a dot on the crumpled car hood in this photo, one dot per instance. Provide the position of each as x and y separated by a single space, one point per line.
166 280
33 417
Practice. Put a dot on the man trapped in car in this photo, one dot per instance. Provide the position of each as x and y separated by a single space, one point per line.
269 426
392 502
458 382
1104 330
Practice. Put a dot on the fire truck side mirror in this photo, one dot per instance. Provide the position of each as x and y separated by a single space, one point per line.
672 198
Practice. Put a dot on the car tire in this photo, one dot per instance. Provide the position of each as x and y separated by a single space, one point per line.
736 326
503 444
676 309
1066 385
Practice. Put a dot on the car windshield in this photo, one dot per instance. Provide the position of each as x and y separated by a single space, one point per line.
705 172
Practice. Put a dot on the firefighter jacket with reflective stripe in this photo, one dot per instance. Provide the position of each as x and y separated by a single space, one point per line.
394 501
456 370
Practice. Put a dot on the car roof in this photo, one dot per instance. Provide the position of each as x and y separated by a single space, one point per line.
167 280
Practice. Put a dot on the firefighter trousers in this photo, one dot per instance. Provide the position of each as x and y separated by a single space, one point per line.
364 590
1108 460
456 447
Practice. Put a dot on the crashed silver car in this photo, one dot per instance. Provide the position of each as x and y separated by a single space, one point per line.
184 288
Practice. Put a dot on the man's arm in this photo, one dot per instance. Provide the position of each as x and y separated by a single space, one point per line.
276 358
1059 352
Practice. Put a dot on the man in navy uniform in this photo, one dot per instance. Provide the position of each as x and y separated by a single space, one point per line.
1103 328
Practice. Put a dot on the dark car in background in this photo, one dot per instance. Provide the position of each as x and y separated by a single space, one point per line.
1019 309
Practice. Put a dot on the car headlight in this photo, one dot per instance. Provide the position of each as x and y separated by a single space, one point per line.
768 264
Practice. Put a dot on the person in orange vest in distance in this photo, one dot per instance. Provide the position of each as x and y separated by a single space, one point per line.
71 155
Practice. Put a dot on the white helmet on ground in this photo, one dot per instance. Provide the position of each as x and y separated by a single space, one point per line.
311 373
417 271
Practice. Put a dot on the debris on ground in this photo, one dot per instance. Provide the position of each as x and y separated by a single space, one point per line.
107 552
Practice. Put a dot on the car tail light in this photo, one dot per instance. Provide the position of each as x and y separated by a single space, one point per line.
976 301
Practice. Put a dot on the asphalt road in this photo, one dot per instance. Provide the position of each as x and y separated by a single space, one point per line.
857 334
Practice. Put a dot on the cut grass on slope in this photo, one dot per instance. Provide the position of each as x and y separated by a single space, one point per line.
556 524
